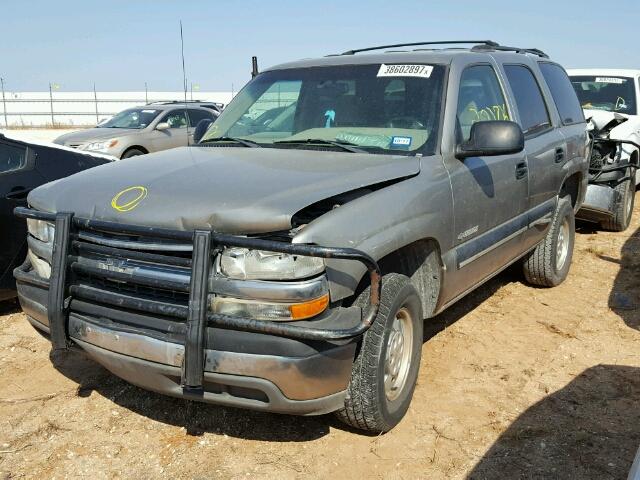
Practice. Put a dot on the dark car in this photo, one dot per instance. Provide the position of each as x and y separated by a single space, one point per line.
24 166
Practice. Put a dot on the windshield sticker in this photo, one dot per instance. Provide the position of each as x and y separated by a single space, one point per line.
401 142
331 117
610 80
148 111
422 71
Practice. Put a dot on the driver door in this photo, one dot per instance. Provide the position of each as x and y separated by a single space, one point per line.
489 193
177 135
17 178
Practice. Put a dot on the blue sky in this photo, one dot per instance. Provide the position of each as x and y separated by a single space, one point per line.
120 44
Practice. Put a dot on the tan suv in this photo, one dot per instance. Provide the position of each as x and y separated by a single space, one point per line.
140 130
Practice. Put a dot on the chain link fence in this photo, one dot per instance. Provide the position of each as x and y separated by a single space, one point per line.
82 109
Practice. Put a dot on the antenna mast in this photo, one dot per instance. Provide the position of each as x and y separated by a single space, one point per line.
184 80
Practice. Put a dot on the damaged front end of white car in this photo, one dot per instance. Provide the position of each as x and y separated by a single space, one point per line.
613 171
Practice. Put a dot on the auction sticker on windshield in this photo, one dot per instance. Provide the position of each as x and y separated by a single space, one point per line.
423 71
610 80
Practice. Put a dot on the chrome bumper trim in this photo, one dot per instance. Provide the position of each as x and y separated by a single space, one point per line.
304 378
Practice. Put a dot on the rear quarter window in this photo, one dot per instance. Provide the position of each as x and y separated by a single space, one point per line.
563 93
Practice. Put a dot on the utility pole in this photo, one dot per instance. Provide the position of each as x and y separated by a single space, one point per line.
51 103
4 104
95 98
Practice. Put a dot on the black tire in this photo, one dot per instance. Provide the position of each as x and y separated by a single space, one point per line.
133 152
541 264
367 406
625 195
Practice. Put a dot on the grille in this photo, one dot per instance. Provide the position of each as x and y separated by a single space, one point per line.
142 275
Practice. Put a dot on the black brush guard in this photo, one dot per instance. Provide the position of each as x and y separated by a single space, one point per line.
596 174
196 315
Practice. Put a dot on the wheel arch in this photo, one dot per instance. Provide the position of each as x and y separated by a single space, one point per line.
134 147
421 261
572 186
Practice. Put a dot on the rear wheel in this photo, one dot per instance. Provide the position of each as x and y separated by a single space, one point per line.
386 367
132 152
548 264
623 210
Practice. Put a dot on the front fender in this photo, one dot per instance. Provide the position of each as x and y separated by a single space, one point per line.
384 221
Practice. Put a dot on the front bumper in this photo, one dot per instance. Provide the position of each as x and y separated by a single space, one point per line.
241 369
599 203
167 321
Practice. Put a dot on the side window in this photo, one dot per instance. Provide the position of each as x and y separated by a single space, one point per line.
196 115
176 119
480 98
12 157
563 93
531 107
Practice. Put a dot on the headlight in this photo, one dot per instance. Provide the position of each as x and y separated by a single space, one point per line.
102 145
41 267
43 231
244 264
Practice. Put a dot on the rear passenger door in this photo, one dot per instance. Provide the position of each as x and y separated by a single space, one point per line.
545 148
489 193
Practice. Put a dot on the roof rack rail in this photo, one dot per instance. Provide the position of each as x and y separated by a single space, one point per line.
488 43
504 48
172 102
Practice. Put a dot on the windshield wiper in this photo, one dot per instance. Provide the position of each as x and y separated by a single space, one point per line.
348 146
242 141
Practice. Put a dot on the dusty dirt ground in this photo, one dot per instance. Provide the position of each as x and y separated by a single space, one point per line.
515 382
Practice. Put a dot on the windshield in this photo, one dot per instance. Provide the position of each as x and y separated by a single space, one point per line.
613 94
378 108
132 118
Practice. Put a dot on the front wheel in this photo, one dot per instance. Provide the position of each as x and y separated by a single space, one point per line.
623 209
386 367
548 264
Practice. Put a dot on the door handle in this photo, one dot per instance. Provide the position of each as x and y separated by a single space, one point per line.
521 170
559 154
18 193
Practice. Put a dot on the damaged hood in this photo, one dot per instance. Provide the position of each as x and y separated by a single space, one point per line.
601 118
231 190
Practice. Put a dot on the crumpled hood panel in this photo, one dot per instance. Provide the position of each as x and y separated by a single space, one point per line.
232 190
628 130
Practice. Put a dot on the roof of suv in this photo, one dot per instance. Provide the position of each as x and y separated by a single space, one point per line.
479 49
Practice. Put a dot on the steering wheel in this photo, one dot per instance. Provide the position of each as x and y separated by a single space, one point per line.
405 122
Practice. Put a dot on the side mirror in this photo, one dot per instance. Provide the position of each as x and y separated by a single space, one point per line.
162 126
201 128
496 137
